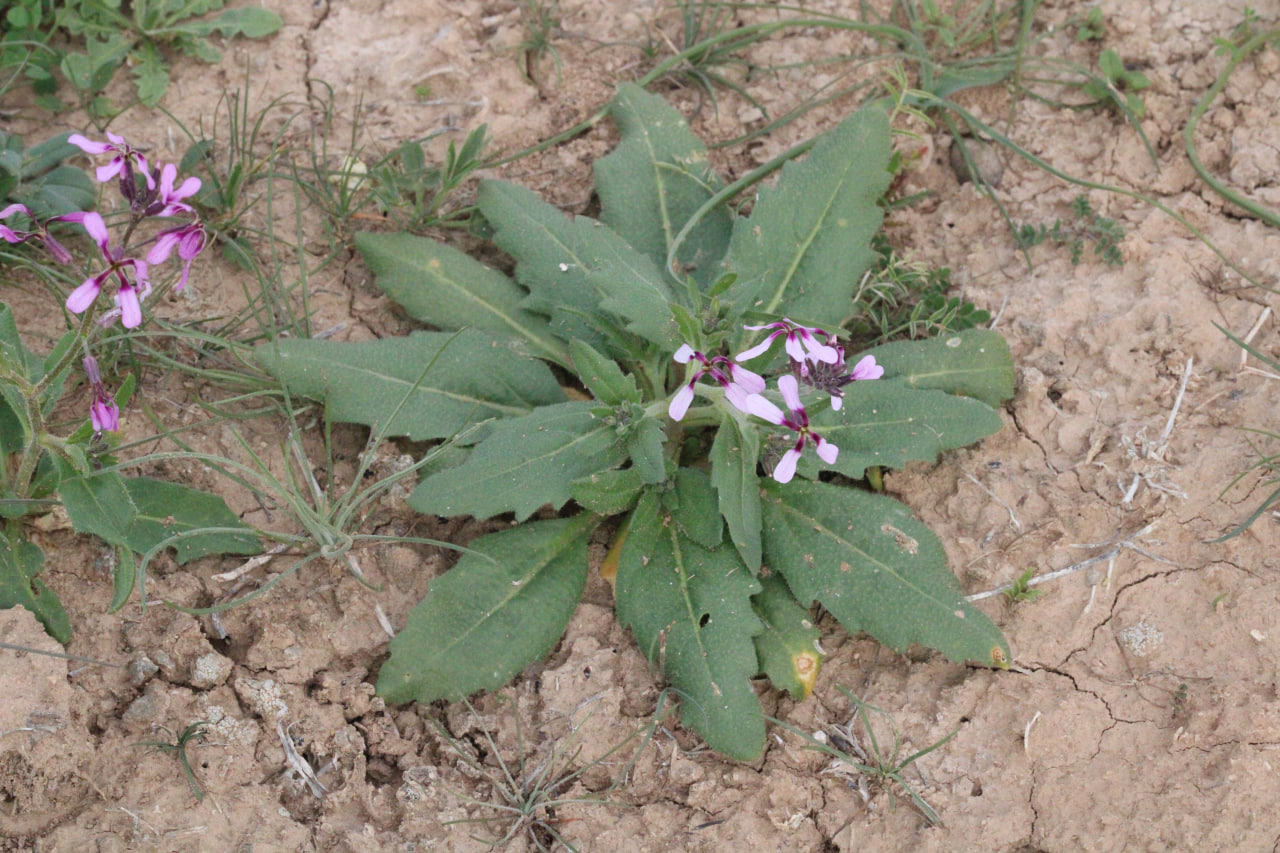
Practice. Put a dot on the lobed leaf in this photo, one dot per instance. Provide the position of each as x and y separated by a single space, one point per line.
524 463
690 610
451 290
877 569
602 376
733 474
653 182
20 562
576 269
973 363
808 240
502 607
788 646
889 423
167 509
471 379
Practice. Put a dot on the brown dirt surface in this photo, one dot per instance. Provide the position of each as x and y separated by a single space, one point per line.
1141 712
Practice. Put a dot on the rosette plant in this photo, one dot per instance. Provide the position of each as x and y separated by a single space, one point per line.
671 376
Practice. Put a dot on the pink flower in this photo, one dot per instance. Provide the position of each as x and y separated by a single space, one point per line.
798 422
52 246
738 382
104 415
128 296
799 340
832 378
122 164
170 199
188 239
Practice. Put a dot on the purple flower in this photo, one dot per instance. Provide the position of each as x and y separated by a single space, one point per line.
122 164
189 240
831 378
170 199
738 382
799 340
103 412
798 422
52 246
128 296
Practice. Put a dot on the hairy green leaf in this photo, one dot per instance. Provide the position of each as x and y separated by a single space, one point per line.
602 376
653 182
973 363
692 503
100 505
168 509
451 290
501 608
808 240
788 647
608 492
524 463
646 442
20 562
577 268
365 382
869 562
733 474
888 423
690 610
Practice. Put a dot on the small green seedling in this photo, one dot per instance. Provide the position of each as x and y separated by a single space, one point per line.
1020 589
541 23
1093 27
195 732
1116 86
1088 228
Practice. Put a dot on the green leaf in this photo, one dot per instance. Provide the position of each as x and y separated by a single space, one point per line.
692 503
654 181
576 269
808 240
100 505
247 21
608 492
733 474
602 376
973 363
501 608
888 423
149 73
20 562
646 445
690 610
168 509
365 382
788 648
524 463
451 290
869 562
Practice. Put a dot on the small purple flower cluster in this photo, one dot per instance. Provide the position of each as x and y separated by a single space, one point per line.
154 196
149 192
816 360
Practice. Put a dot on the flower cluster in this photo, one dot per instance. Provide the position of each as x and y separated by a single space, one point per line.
150 192
816 360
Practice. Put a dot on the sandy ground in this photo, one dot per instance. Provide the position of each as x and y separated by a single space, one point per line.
1142 712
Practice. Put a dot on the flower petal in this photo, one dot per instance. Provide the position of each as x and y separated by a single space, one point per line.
826 451
763 409
88 146
684 354
680 402
757 350
752 383
97 229
790 392
130 308
866 368
84 295
786 467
